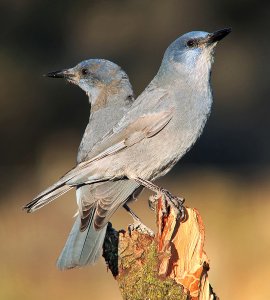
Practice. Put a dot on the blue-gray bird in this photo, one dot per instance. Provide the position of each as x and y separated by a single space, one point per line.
161 126
110 95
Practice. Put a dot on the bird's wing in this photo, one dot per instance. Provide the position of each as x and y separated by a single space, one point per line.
143 127
133 128
151 100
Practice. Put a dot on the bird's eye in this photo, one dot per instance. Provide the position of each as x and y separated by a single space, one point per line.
84 71
191 43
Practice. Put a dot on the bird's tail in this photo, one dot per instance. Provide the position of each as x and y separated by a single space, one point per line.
82 247
100 201
46 197
54 191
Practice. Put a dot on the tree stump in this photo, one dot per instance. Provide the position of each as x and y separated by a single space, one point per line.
171 265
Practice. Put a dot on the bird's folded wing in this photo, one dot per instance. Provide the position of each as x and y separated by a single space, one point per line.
143 127
152 100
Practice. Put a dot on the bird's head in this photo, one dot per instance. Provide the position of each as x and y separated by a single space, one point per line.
100 79
193 52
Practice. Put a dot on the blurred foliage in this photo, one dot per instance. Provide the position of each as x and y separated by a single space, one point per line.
41 36
42 120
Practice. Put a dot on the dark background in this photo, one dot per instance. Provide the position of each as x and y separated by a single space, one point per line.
42 120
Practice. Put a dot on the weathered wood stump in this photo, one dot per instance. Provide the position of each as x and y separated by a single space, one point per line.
171 265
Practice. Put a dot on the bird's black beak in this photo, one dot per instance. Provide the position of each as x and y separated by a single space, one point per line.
217 35
67 73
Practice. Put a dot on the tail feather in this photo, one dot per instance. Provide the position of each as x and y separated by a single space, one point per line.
43 199
82 247
57 189
85 241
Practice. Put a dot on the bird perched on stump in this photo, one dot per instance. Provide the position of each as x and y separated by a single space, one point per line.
160 127
110 96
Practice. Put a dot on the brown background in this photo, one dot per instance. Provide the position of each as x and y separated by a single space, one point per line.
226 175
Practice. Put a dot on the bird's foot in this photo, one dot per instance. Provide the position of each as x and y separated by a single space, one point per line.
140 227
168 200
137 223
152 202
175 203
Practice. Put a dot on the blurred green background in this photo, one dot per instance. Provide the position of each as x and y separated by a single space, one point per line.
226 175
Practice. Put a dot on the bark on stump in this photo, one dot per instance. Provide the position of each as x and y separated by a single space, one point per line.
171 265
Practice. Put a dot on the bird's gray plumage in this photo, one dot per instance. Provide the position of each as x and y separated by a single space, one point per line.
110 95
162 125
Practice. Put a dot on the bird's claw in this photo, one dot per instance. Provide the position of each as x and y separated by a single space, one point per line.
176 203
140 227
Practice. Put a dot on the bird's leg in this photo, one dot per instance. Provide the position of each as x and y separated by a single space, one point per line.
137 223
132 213
173 201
